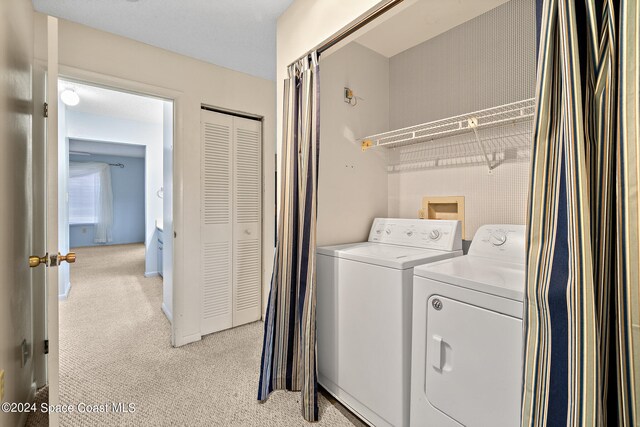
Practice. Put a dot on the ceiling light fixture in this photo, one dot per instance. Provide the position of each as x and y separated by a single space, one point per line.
70 97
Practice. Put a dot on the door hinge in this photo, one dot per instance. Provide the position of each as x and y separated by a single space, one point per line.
46 109
46 346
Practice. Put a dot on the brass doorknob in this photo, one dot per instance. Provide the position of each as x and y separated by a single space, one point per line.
70 257
35 261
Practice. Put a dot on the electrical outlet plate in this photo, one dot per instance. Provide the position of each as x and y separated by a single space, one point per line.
1 384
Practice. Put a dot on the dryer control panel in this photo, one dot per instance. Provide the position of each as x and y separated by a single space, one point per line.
504 242
441 235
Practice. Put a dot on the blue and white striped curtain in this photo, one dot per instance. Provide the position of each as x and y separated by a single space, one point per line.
289 348
582 311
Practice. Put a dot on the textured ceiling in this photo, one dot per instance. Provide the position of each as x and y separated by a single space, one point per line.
236 34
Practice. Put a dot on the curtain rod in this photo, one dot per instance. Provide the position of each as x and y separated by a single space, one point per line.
119 165
337 38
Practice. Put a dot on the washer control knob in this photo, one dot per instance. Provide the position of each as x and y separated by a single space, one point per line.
409 233
379 230
388 231
498 238
434 234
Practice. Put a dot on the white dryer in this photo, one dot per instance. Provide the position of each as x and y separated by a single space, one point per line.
467 334
364 314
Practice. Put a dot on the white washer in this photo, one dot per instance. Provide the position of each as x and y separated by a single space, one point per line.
364 314
466 365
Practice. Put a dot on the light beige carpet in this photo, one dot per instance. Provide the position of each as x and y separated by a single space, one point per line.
114 347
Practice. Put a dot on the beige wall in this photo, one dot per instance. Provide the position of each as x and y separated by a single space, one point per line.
16 62
352 187
194 83
306 24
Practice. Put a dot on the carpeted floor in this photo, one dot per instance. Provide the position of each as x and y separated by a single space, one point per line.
114 347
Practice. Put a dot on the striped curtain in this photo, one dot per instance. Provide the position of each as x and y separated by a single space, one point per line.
582 303
289 348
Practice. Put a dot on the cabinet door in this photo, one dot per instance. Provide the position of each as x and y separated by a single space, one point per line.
216 221
247 212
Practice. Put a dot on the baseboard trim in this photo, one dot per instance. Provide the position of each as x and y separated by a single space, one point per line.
63 296
30 399
151 274
167 313
180 341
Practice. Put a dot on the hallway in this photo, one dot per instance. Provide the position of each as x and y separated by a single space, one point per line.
115 347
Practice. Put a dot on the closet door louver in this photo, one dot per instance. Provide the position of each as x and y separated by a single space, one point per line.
247 213
216 222
231 221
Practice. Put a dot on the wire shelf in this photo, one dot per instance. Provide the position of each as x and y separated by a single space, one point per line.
502 144
514 112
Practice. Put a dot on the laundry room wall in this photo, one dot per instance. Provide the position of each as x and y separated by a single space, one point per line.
352 187
485 62
304 25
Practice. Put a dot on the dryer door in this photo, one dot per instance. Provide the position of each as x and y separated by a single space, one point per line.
474 360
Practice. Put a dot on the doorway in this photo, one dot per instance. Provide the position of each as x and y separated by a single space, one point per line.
115 173
115 124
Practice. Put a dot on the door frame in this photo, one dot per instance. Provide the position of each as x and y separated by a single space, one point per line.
177 97
179 102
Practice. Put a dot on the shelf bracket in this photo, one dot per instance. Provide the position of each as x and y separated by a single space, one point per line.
473 124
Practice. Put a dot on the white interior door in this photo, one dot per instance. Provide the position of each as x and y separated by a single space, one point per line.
247 212
216 221
51 213
39 240
231 179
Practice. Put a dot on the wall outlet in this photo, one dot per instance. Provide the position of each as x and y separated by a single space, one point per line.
1 385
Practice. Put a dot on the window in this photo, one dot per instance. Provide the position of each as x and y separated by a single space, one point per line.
91 198
83 190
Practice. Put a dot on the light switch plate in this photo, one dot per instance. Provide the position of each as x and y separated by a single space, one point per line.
1 384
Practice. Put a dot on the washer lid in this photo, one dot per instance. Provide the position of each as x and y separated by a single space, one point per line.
392 256
333 250
480 274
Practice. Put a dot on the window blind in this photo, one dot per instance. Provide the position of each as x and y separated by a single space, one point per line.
83 190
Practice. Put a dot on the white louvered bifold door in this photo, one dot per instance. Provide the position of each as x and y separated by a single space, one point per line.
231 172
247 214
216 221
